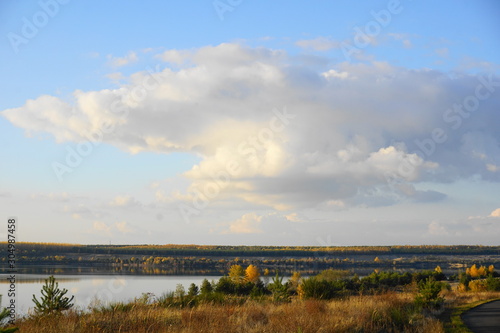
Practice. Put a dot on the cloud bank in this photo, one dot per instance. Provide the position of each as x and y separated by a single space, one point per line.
276 132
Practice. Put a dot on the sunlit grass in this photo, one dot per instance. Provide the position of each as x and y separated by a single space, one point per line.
391 312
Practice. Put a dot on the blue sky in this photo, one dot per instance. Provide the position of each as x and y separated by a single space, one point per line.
251 122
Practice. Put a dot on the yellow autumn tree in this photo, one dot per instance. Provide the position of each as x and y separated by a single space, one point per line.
491 269
252 274
473 271
438 270
476 272
482 271
236 273
295 281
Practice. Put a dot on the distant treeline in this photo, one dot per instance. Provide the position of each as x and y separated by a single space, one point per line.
53 249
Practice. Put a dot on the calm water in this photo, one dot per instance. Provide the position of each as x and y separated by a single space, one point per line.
105 288
89 288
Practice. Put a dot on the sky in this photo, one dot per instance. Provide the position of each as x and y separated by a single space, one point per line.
234 122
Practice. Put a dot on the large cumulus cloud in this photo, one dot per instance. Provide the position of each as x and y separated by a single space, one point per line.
295 134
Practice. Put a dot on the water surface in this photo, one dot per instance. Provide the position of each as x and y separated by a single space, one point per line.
88 289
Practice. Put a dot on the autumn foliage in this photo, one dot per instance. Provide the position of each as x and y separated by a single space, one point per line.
252 274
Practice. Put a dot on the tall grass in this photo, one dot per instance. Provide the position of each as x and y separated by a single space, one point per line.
379 313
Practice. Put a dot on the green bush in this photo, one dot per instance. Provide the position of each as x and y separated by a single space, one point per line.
428 294
228 286
321 289
492 284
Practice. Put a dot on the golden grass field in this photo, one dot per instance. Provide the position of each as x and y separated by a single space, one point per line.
389 312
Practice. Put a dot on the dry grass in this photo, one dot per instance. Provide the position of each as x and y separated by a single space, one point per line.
457 302
380 313
454 299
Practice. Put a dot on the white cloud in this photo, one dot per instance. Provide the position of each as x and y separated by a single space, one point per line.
332 73
174 56
296 217
353 126
403 38
495 213
101 227
124 201
492 167
435 228
123 227
130 58
248 224
116 76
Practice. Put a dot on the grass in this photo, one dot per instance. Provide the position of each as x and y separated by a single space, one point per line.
458 303
387 312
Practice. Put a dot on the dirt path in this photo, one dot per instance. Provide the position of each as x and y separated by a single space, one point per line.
484 318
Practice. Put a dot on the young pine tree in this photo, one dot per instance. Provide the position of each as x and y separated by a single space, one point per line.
53 299
193 290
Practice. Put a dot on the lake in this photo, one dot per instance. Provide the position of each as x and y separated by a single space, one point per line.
89 288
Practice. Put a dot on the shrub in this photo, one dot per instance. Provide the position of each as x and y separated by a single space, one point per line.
320 289
493 284
478 285
428 294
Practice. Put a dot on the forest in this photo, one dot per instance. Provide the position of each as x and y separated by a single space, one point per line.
198 259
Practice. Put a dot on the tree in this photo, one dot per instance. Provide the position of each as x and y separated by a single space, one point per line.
476 272
332 274
428 294
193 290
236 273
252 274
180 291
294 282
206 287
482 271
53 299
279 289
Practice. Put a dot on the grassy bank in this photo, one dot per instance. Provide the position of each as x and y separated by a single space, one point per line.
332 301
390 312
